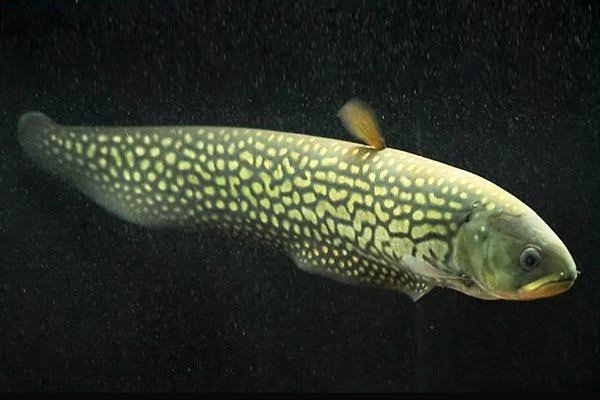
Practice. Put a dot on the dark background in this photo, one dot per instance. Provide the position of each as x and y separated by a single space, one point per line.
89 302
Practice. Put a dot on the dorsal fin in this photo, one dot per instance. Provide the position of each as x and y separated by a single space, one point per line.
359 119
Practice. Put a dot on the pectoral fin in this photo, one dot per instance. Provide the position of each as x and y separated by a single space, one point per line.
445 279
426 270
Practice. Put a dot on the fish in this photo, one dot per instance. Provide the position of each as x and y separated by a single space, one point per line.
360 213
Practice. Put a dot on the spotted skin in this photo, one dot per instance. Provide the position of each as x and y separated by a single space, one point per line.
339 209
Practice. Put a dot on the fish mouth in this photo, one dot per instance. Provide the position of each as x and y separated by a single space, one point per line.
548 286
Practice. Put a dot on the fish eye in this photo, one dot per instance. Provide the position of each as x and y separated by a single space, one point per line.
530 258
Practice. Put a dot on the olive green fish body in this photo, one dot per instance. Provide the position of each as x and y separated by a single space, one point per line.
339 209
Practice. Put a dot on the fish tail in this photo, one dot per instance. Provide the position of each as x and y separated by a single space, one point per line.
33 129
94 160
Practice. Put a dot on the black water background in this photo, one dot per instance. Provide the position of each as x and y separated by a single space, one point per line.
89 302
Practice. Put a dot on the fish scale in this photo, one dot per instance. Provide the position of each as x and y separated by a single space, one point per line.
339 209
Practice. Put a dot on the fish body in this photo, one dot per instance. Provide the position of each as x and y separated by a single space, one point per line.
358 214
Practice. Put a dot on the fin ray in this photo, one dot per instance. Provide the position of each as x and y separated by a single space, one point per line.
359 119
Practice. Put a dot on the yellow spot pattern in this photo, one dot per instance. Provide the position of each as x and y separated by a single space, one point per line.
340 209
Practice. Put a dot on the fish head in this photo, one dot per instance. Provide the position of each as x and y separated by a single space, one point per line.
514 256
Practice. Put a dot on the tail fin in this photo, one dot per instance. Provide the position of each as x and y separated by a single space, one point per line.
34 132
102 163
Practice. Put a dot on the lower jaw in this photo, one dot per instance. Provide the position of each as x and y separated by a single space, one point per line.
546 290
540 291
